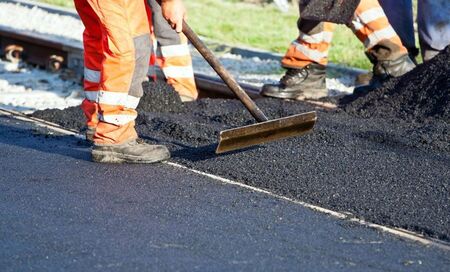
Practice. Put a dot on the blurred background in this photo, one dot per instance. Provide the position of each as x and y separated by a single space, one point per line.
263 24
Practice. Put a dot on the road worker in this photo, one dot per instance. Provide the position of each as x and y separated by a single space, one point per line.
307 56
117 47
172 55
433 24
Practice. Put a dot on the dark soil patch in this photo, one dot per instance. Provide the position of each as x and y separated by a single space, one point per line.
392 169
421 95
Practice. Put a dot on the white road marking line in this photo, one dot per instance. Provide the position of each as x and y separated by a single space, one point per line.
41 123
402 233
395 231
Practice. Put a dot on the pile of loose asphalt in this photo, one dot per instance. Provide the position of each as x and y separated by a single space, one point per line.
383 157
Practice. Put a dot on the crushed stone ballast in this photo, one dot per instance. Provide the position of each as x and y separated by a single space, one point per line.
398 232
46 51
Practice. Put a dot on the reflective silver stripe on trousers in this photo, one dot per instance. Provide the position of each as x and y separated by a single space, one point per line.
366 17
178 72
113 98
91 75
117 119
377 36
175 50
312 54
324 36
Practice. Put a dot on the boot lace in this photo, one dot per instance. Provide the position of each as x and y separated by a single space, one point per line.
294 73
140 141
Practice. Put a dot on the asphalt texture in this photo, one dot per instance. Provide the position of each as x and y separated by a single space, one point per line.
59 211
335 11
389 171
421 95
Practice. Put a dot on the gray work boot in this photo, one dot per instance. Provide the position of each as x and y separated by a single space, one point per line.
134 151
393 68
89 133
304 83
386 69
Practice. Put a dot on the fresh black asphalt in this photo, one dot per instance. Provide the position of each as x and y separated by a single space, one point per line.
59 211
383 155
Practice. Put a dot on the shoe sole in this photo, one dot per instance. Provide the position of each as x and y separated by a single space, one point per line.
311 94
113 157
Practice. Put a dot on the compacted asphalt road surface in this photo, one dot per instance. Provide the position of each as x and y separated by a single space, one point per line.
59 211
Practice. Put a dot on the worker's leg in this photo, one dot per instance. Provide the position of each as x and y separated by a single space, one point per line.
305 62
311 46
372 27
175 57
383 45
400 16
433 20
126 47
93 57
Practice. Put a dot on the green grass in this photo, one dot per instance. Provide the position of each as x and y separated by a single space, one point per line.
263 27
347 49
243 24
63 3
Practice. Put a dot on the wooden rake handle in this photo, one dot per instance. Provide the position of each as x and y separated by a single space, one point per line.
224 74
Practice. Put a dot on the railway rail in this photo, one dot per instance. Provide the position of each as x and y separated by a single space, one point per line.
37 49
54 54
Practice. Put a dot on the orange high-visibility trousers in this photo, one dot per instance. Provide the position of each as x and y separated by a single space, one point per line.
176 63
117 52
93 57
172 55
369 24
